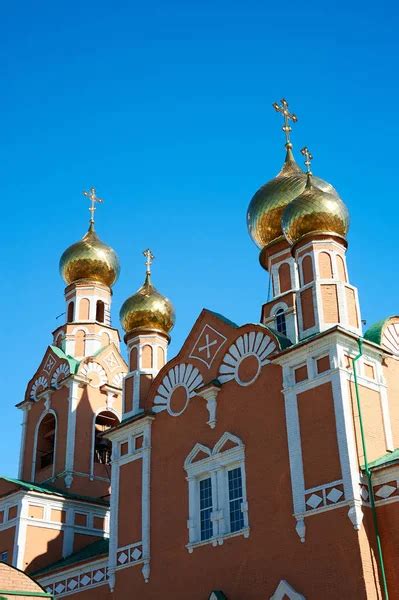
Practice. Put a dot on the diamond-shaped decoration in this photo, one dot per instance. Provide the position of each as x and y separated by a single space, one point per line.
122 558
85 580
136 554
98 576
314 501
72 583
60 587
334 495
49 589
385 491
364 493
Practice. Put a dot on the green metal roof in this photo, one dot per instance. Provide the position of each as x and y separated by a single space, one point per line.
374 333
44 488
73 363
386 459
93 550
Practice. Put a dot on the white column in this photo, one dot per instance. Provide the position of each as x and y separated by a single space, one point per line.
145 501
25 409
113 522
71 431
296 461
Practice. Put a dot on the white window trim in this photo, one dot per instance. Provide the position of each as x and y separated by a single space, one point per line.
215 465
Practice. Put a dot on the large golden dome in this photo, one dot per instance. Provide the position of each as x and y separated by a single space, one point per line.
315 211
90 259
267 205
147 310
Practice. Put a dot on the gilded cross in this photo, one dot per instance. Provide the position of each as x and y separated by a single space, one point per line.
91 194
149 259
283 109
308 159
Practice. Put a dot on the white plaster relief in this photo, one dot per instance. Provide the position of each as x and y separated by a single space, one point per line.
285 590
253 344
184 376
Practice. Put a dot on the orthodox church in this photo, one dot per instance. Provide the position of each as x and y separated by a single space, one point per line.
260 463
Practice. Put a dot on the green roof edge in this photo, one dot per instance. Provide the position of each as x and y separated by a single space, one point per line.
95 549
49 489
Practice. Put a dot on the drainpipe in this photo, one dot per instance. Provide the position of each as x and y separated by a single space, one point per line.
368 475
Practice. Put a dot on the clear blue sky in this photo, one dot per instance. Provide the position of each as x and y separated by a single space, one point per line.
166 108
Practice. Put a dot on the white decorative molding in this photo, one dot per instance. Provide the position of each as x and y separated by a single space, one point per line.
284 590
117 379
94 372
256 344
61 372
207 345
40 384
215 463
210 394
76 580
128 555
50 362
184 376
390 338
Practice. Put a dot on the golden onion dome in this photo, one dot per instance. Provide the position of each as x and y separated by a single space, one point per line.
147 310
90 259
267 205
315 211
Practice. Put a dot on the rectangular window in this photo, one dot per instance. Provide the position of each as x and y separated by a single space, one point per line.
4 556
205 489
235 499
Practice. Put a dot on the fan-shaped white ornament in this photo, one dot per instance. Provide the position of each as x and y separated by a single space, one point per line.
95 374
117 379
61 372
39 385
258 345
184 376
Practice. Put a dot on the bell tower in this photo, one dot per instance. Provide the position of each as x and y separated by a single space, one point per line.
76 393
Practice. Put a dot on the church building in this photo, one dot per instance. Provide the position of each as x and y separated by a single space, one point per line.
259 463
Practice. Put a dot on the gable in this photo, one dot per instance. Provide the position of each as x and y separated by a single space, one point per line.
54 367
216 350
105 367
286 592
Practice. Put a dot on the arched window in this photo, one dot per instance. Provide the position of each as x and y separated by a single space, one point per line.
45 445
100 311
103 447
307 270
341 268
146 357
284 277
84 309
281 325
325 265
80 343
71 307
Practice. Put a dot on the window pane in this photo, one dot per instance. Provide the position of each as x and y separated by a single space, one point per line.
280 322
205 489
235 499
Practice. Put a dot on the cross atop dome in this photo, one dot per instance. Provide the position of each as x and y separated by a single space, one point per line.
308 159
149 260
92 195
283 109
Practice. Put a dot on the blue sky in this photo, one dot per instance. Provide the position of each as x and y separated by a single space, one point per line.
166 108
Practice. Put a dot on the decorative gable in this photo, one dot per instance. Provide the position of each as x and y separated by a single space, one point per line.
217 595
54 367
285 591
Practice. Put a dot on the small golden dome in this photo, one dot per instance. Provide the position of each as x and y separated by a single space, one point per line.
90 259
315 211
147 310
267 205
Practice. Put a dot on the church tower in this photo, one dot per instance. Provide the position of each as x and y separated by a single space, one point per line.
76 394
147 318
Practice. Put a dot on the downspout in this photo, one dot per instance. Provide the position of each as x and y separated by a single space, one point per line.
368 475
